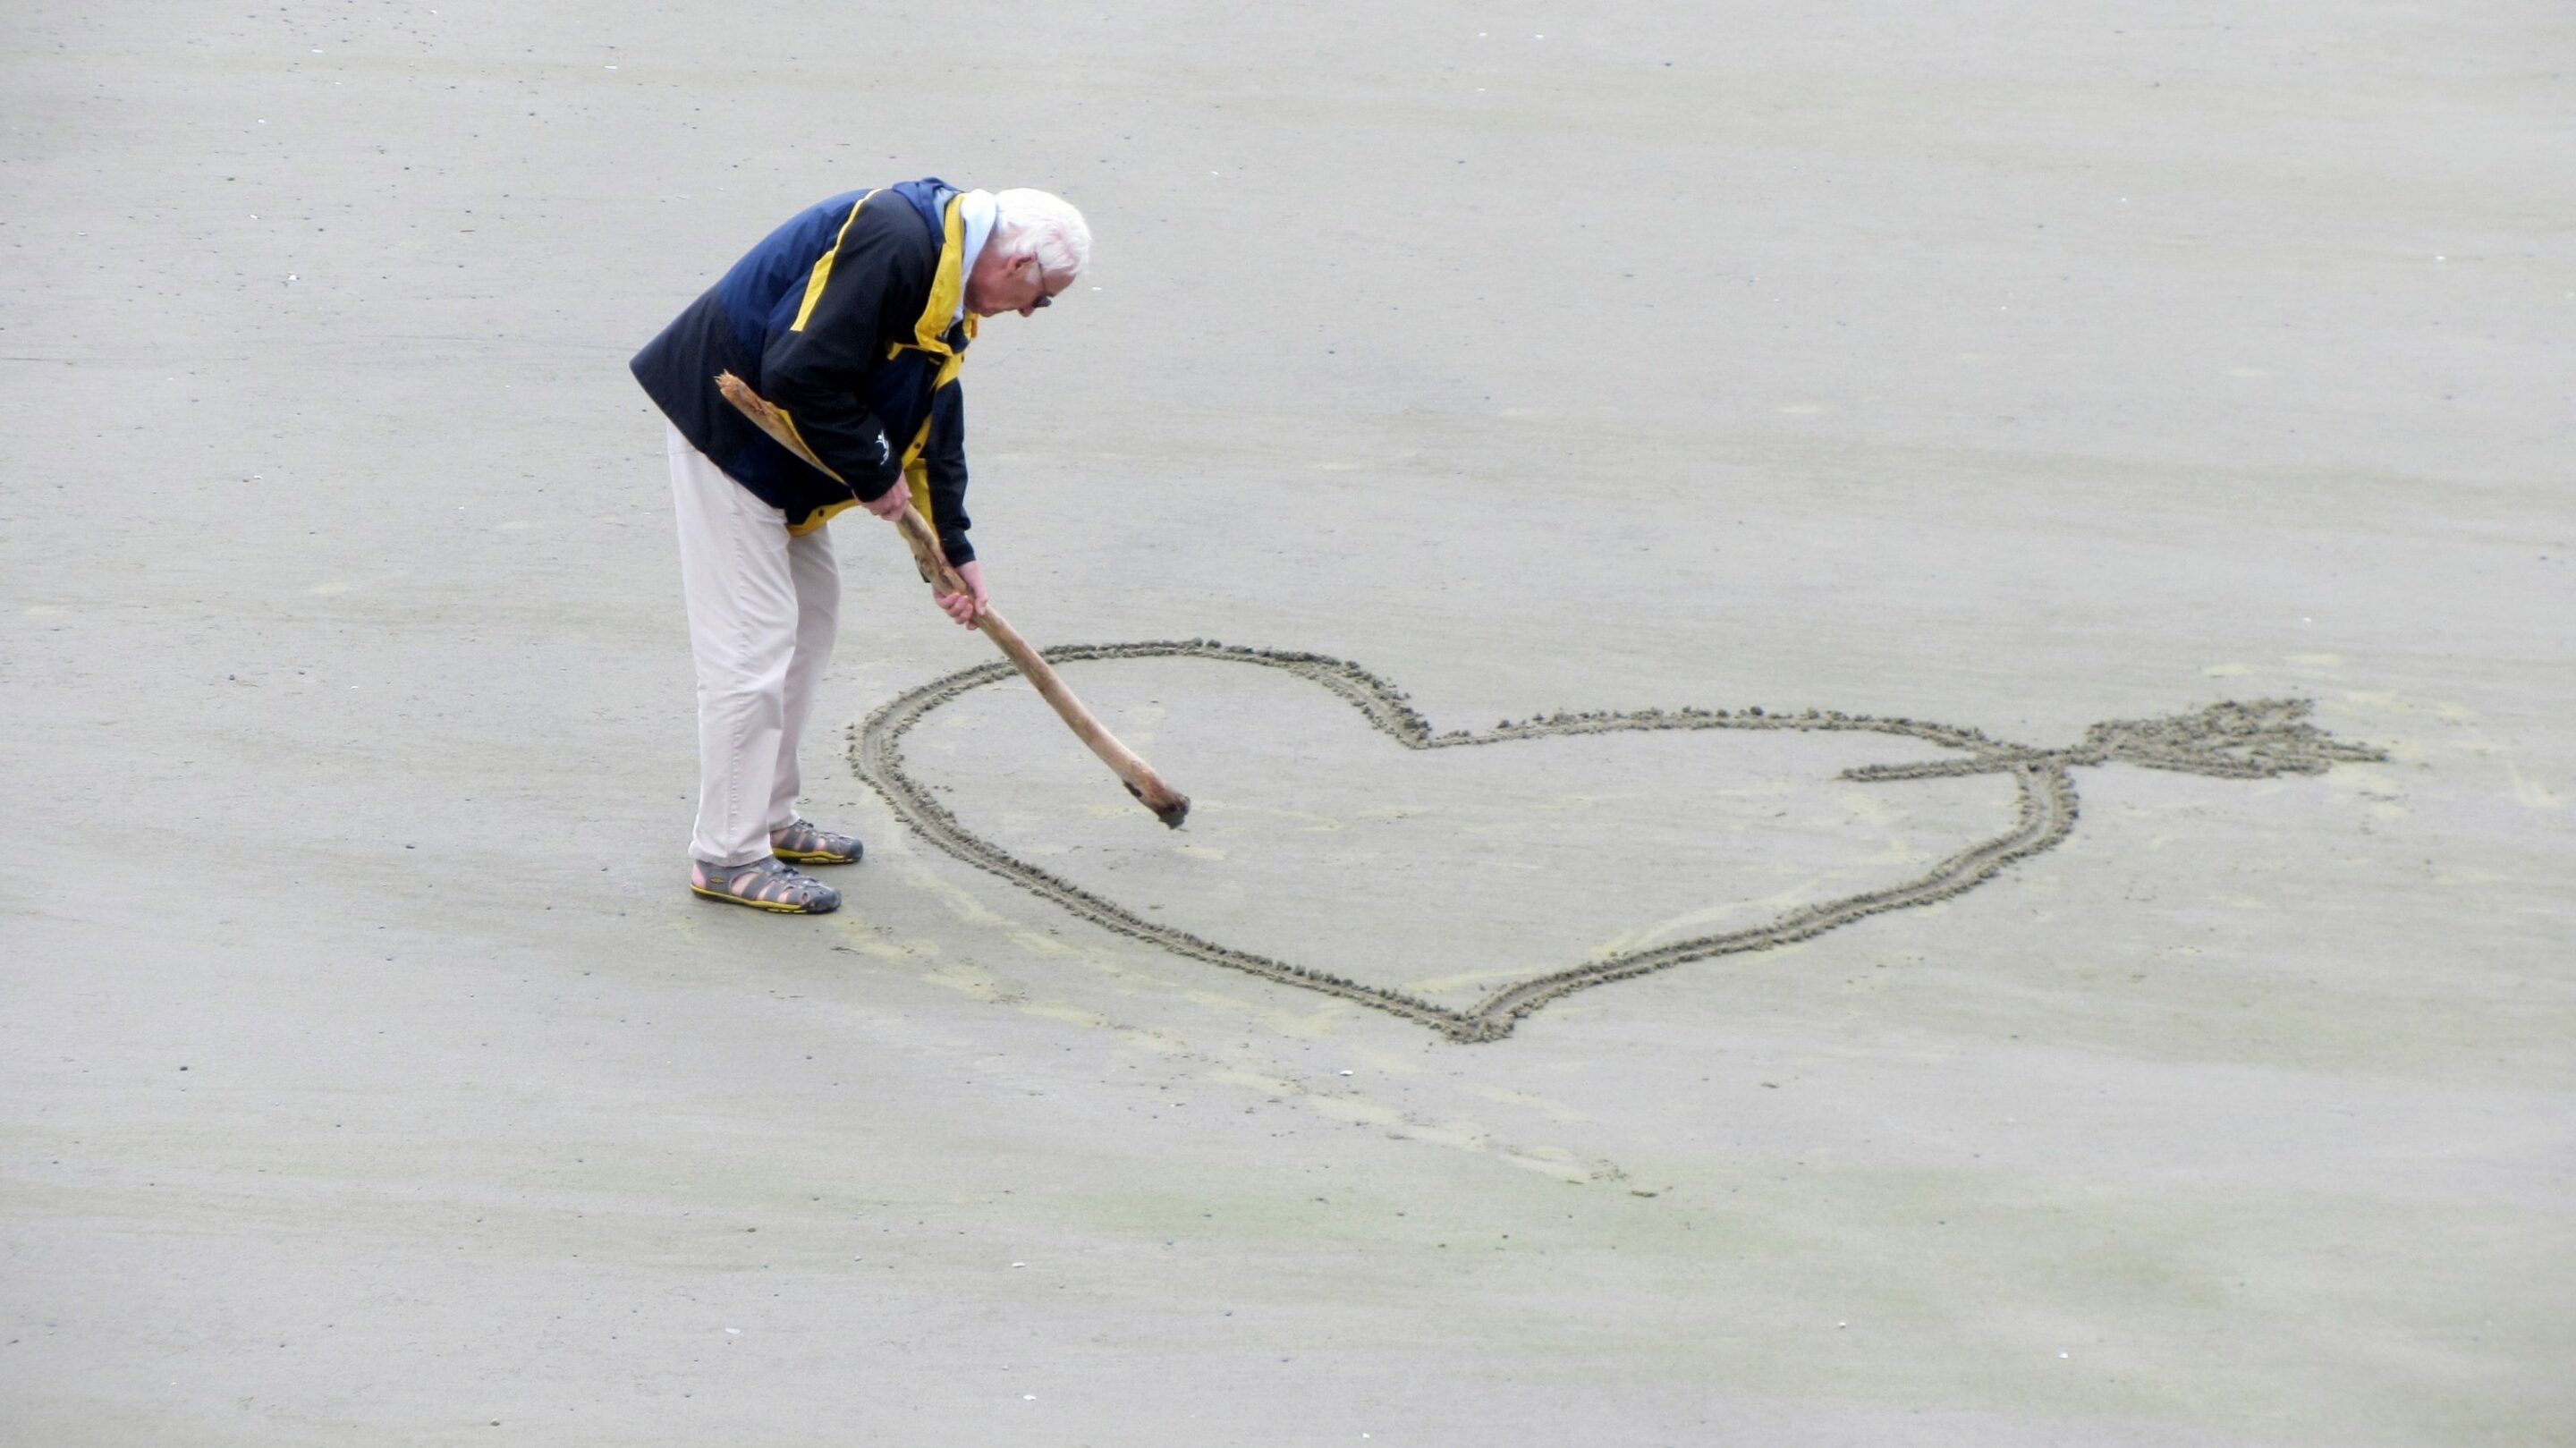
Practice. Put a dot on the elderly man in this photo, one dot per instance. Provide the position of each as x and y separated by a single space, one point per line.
852 319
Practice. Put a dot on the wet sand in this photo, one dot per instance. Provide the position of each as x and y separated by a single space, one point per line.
368 1077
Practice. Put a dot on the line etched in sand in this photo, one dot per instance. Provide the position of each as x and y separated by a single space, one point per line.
2255 739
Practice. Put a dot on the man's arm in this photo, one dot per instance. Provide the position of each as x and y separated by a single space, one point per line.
943 466
814 369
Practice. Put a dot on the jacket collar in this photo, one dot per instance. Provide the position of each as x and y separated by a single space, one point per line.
939 316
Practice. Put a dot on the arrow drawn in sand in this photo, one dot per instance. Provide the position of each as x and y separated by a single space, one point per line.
2255 739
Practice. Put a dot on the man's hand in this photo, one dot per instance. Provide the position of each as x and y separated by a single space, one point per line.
968 606
890 505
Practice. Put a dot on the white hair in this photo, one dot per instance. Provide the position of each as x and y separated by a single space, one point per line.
1044 225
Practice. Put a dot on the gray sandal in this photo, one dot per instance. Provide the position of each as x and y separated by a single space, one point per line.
764 884
810 844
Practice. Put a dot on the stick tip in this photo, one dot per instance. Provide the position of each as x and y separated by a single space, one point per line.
1172 814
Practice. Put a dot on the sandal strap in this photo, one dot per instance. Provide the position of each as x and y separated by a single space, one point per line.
768 879
804 834
805 840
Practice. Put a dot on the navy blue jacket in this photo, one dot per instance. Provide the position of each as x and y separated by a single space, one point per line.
842 319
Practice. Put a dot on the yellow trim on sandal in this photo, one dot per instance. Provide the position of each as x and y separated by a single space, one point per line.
773 906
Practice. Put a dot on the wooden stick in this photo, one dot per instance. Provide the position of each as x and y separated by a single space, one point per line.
1168 804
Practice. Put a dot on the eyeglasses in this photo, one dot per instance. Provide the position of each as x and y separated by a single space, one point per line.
1043 299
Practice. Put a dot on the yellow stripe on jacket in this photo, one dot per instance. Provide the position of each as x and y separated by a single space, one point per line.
930 334
821 275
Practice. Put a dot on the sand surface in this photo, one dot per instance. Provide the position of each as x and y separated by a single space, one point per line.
367 1077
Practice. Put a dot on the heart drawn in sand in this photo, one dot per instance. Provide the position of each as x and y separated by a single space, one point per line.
2237 740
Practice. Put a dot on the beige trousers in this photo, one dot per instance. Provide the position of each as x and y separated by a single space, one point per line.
763 605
